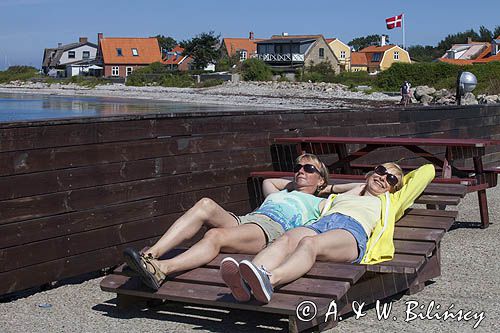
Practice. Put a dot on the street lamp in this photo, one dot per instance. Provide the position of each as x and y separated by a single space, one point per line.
466 82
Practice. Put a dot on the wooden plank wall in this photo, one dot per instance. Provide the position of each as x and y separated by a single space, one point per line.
74 193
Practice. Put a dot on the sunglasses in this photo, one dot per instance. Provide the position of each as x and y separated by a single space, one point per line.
308 168
391 179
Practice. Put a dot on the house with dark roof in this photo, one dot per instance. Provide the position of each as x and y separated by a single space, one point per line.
374 59
289 52
79 55
245 48
120 56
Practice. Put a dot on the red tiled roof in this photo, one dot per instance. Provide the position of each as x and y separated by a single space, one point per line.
148 50
376 49
488 58
234 45
456 61
329 40
176 59
359 59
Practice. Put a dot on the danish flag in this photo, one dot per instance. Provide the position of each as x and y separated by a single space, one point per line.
394 22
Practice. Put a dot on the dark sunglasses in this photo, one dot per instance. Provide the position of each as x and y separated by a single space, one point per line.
391 179
309 168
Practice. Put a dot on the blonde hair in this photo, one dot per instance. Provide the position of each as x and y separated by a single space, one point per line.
396 171
323 170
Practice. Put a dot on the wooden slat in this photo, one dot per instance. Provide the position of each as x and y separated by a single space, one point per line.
432 222
432 212
418 234
413 247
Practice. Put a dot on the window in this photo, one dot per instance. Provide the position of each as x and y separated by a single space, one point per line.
396 55
243 55
376 57
129 70
86 54
71 54
115 71
119 52
135 53
342 54
321 52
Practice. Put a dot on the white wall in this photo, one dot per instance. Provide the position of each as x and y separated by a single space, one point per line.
78 54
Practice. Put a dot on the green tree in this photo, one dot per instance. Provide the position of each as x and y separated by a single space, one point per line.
166 43
256 70
362 42
425 53
203 48
496 32
485 35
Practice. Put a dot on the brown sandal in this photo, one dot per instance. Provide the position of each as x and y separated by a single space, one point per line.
149 271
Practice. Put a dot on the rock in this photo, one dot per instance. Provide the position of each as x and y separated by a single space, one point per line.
423 90
426 99
469 99
442 93
488 99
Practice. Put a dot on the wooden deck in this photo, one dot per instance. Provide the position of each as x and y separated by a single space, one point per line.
417 241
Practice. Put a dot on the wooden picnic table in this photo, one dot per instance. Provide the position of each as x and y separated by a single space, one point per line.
456 149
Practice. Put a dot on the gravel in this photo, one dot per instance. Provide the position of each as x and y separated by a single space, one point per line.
276 95
469 282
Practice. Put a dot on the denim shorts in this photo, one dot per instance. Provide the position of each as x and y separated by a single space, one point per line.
341 221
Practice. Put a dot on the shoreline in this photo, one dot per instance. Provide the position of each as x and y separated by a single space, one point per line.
283 95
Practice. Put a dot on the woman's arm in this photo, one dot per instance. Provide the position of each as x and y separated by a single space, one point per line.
272 185
339 188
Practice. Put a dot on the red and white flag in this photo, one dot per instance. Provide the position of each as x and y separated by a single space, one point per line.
394 22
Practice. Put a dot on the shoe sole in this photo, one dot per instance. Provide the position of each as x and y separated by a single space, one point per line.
133 260
230 274
251 276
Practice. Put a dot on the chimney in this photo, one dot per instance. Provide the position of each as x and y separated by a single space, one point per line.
382 40
99 36
250 35
469 40
82 40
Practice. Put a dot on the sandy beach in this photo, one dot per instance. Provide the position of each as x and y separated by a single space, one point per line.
469 282
278 95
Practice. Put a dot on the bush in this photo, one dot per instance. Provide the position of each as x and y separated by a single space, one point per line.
256 70
440 75
157 74
14 73
321 72
353 79
209 83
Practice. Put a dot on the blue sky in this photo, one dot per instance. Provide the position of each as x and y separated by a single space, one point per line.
29 26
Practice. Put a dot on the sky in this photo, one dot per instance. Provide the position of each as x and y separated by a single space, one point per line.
29 26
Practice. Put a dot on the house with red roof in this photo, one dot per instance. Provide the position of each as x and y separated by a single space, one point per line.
120 56
374 59
245 48
175 61
472 52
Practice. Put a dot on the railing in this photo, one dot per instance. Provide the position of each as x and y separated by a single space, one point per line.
281 57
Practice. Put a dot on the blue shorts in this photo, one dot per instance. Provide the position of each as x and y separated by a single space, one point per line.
341 221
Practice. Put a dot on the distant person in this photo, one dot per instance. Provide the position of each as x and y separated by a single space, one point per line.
405 93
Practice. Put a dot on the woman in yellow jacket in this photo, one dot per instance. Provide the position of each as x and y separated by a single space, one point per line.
356 226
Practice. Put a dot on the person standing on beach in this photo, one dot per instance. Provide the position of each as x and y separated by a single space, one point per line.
405 93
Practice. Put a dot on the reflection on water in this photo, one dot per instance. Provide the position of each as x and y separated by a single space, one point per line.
15 107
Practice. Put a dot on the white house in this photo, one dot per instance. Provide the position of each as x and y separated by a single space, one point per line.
70 59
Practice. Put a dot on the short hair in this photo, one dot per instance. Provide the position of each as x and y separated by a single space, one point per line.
323 170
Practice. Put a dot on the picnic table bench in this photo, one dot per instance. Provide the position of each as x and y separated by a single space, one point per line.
477 179
417 259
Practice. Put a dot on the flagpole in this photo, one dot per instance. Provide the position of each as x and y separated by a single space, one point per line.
403 18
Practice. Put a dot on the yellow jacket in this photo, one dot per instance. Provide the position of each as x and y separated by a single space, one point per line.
380 246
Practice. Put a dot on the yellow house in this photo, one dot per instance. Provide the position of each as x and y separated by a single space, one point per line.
342 52
378 58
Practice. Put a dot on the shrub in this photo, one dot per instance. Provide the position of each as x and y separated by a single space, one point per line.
22 73
209 83
321 72
256 70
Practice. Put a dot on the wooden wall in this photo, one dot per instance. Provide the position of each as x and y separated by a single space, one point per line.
74 193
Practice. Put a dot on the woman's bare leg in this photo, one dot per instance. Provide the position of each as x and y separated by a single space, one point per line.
336 245
246 238
279 250
204 212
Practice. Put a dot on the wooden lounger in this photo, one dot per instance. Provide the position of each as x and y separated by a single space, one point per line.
417 241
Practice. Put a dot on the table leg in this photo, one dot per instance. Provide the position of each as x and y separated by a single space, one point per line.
481 194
